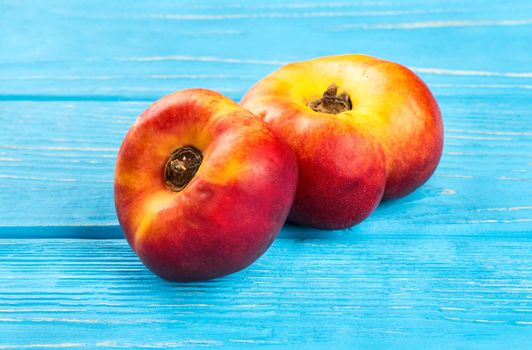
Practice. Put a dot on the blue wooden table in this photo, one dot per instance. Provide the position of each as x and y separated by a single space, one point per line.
449 266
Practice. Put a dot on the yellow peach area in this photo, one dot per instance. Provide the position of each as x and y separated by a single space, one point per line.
376 87
148 210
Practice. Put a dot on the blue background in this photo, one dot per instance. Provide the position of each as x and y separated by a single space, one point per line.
448 266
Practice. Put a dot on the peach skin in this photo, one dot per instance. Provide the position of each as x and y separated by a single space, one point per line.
202 187
362 129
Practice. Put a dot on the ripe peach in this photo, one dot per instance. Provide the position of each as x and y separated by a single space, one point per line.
202 187
381 136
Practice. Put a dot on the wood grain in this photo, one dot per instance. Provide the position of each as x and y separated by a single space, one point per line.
377 292
447 267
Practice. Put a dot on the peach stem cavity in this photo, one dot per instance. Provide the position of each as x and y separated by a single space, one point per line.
332 103
181 167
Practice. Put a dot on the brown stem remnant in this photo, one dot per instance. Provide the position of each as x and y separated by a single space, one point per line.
181 167
332 103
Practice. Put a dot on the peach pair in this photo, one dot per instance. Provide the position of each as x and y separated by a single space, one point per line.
203 185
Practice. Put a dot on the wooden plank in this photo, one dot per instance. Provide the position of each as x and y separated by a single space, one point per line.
438 33
62 177
376 291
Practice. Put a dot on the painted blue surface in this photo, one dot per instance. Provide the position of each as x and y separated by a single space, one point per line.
448 266
407 292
